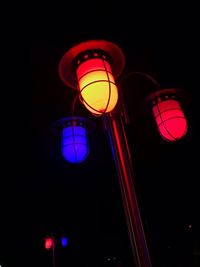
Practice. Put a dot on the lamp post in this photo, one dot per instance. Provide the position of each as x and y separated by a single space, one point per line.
91 68
50 244
53 242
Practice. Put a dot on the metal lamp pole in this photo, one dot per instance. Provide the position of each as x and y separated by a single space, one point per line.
121 153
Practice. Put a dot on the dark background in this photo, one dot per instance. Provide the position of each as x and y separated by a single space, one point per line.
42 193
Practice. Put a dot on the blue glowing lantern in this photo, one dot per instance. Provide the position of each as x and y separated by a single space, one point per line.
74 140
64 241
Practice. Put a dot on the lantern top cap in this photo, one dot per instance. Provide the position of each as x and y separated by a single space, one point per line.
73 120
65 70
168 91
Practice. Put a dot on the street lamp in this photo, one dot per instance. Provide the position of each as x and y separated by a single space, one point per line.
51 243
91 68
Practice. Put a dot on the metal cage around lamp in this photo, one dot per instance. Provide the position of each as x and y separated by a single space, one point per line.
168 114
72 133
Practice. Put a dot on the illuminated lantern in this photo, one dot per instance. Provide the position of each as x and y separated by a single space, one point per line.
74 139
97 85
168 114
90 67
48 243
64 241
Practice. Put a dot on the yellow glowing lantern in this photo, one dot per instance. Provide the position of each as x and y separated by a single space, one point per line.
91 67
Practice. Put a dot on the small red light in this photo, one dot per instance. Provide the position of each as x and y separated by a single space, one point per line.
48 243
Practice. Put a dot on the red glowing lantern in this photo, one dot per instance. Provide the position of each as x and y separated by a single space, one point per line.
48 243
90 67
168 114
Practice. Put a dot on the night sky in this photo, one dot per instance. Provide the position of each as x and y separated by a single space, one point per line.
83 201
